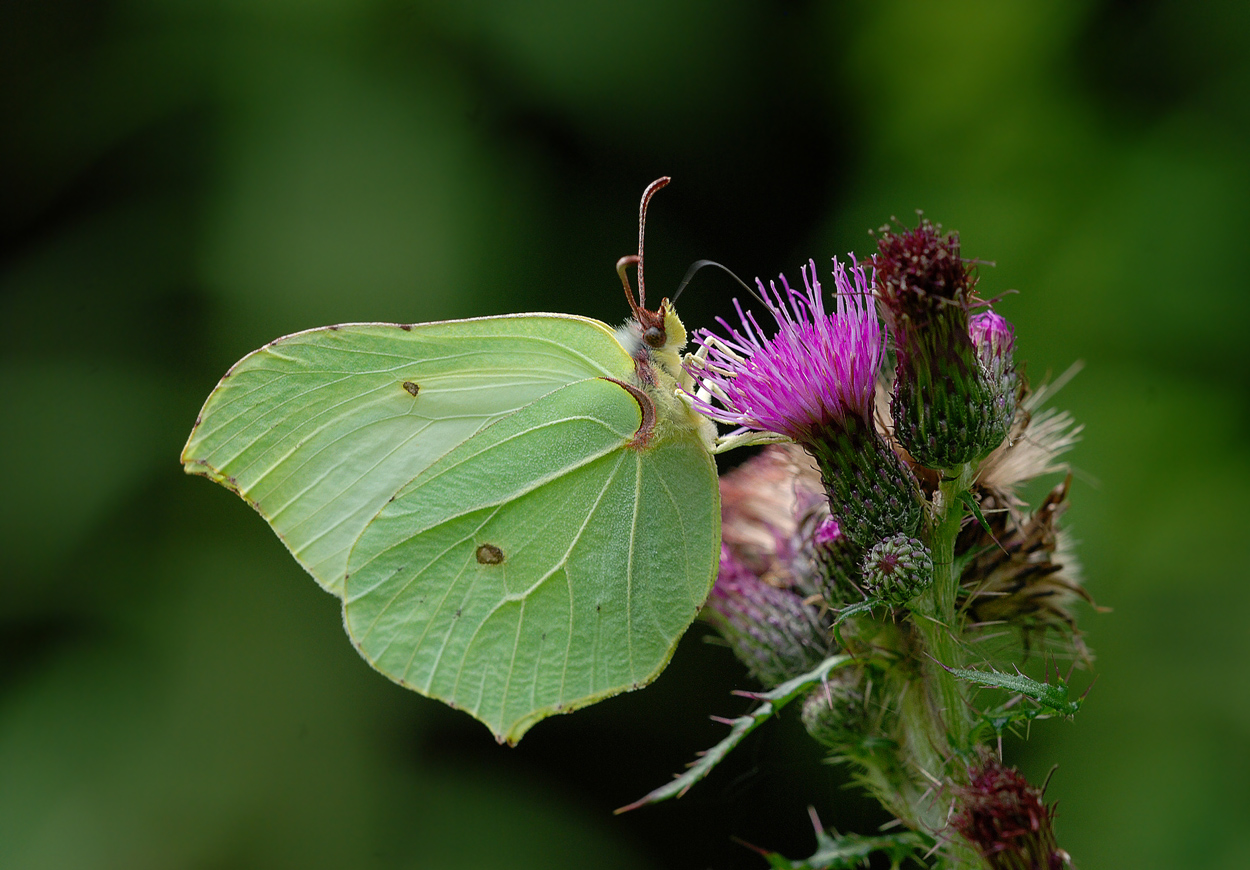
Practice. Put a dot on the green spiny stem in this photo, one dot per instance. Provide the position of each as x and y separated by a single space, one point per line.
939 721
937 626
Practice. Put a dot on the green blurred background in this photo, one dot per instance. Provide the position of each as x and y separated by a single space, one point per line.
184 181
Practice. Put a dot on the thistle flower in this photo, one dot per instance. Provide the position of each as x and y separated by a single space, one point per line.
1004 818
946 410
817 369
771 630
814 381
769 505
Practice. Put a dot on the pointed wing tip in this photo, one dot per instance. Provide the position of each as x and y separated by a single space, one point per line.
512 735
202 467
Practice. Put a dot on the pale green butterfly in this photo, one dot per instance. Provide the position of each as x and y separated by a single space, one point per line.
519 513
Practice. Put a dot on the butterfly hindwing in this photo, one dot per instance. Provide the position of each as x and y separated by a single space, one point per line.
546 563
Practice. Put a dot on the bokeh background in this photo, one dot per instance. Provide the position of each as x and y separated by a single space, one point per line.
183 181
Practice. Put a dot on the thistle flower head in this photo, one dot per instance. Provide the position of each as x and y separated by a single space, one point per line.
818 369
948 407
920 271
768 509
1004 817
814 381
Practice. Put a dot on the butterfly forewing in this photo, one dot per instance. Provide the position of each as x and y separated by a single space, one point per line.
320 429
542 565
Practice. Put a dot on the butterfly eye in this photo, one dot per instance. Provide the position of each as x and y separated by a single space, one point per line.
653 336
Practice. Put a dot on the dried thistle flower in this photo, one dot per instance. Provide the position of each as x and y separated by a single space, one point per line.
1023 571
1025 575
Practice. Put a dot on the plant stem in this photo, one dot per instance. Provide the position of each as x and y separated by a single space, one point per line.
934 617
946 582
941 714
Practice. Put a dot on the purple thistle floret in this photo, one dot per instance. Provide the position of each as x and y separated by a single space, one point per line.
992 335
995 342
827 533
819 369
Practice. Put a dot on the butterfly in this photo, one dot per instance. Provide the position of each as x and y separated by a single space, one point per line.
520 514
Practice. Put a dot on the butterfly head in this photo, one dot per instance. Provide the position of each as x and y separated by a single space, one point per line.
661 329
654 336
650 334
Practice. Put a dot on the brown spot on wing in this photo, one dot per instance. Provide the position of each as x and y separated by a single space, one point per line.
489 554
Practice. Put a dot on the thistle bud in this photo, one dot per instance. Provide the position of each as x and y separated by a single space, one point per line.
897 569
837 563
1004 818
995 342
770 630
993 337
946 411
835 713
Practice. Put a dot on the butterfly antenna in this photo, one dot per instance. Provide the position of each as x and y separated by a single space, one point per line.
642 230
621 265
699 264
